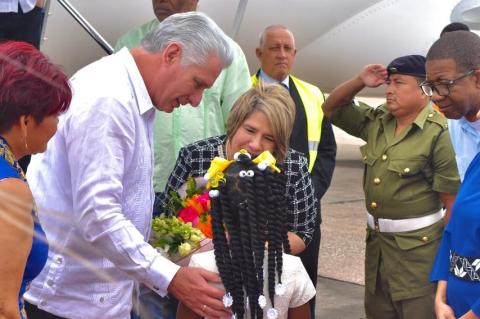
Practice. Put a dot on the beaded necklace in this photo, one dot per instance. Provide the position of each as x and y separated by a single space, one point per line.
7 154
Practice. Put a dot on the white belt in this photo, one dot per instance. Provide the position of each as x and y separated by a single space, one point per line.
385 225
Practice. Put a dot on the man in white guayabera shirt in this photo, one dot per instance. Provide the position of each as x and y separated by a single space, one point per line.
93 187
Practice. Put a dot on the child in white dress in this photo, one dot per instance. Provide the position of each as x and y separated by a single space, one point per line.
251 245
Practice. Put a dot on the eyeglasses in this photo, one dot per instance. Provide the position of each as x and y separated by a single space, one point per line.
442 88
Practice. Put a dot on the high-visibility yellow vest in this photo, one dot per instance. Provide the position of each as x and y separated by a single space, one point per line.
312 99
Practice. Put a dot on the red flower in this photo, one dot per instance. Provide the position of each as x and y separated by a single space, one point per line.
204 200
189 214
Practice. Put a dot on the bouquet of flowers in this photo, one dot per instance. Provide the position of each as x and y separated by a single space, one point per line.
194 208
188 224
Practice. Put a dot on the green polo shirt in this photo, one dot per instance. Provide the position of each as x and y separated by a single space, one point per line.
404 173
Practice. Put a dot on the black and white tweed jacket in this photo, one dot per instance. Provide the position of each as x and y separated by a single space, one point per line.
194 160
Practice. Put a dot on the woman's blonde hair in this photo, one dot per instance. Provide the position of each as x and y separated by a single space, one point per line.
275 102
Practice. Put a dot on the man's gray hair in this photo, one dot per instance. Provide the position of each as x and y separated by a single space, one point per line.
196 33
461 46
263 35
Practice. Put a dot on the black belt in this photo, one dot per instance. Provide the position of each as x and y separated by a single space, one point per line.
465 268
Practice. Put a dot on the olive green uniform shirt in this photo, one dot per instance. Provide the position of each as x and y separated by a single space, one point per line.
402 178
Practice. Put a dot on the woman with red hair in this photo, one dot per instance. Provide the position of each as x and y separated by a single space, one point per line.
33 92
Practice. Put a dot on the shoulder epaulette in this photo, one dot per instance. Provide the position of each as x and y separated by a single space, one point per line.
381 109
436 117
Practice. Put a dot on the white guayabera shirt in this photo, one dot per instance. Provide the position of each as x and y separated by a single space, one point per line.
94 192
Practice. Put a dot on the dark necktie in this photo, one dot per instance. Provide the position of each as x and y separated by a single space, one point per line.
284 85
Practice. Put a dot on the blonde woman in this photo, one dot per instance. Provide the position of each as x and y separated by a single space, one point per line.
260 120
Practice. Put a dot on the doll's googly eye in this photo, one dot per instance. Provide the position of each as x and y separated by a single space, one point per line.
250 173
242 174
238 155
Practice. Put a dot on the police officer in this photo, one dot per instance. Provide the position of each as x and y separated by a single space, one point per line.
312 134
410 174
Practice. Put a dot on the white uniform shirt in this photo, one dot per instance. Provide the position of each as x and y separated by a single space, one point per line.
12 5
94 192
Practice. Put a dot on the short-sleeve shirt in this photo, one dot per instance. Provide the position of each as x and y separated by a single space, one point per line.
403 173
462 238
402 178
299 288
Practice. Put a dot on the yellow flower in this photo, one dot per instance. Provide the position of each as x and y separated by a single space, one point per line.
218 178
214 174
184 249
196 238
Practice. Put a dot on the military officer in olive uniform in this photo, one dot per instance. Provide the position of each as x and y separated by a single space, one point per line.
410 175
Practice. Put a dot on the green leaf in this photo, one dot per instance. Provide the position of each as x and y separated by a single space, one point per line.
175 203
191 187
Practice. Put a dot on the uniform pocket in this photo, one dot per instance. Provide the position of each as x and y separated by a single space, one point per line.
410 256
419 238
407 167
367 158
413 177
417 249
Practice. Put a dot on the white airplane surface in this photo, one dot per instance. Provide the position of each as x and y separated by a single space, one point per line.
334 38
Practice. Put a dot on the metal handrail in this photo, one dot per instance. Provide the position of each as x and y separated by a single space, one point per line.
87 26
237 22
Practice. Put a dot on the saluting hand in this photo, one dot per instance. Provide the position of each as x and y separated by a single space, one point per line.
373 75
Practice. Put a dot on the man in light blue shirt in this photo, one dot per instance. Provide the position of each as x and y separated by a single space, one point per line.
465 137
465 134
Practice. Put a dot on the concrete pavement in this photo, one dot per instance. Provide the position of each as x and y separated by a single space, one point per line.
340 286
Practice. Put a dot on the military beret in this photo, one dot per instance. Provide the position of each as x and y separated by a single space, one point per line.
413 65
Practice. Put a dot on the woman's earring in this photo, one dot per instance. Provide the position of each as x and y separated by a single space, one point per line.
25 136
26 145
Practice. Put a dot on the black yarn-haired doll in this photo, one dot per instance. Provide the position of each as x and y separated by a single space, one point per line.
248 208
